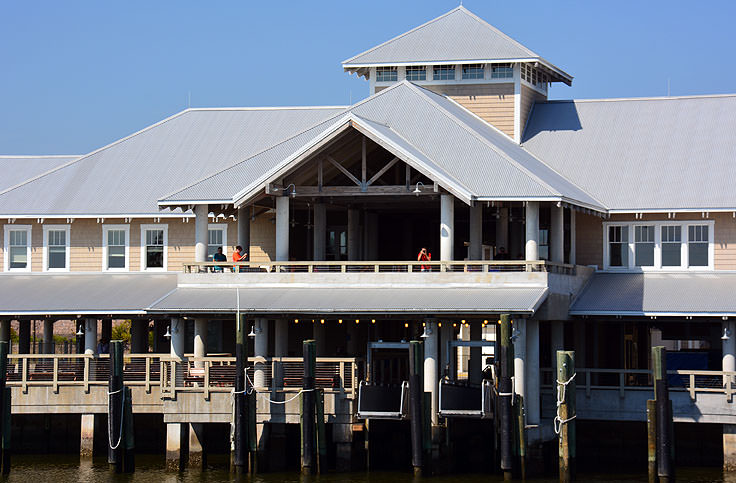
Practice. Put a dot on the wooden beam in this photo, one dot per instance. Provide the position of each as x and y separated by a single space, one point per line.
408 177
311 191
344 170
382 171
320 177
363 163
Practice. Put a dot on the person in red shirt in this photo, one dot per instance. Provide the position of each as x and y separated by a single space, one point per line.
424 256
239 256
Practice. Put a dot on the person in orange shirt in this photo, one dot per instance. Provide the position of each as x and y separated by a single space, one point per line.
239 256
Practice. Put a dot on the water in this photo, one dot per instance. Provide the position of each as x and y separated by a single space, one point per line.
149 469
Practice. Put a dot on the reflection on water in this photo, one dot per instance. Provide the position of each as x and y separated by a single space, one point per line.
66 468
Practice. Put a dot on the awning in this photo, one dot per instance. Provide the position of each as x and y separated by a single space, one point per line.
54 294
658 294
364 300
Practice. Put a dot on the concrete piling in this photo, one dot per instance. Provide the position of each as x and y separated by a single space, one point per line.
505 397
87 436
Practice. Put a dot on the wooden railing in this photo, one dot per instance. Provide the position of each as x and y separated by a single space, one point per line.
484 266
691 381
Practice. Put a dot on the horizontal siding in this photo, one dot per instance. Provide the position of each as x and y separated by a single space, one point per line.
588 240
528 97
492 102
262 240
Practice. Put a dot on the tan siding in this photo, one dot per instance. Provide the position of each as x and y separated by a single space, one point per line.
85 254
528 97
588 240
181 244
492 102
262 239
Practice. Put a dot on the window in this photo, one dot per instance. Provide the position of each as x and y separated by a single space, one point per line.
154 247
444 72
473 71
618 246
697 245
644 246
17 247
216 238
416 73
115 239
502 71
56 247
386 74
543 246
671 246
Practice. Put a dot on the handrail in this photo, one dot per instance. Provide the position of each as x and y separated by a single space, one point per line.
409 266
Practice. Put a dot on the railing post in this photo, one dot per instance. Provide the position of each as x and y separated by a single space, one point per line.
55 380
207 365
86 373
24 375
148 375
692 386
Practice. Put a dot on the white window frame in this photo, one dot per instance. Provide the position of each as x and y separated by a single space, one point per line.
157 226
46 229
6 250
105 229
684 253
223 227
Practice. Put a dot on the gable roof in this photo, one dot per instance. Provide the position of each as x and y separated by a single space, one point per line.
464 155
128 176
635 155
458 36
17 169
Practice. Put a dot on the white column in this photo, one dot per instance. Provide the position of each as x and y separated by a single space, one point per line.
532 231
200 341
447 227
728 329
531 401
282 228
178 332
48 336
557 234
200 232
90 336
320 232
476 232
281 348
475 364
519 337
353 232
557 341
244 228
573 235
430 365
502 230
260 350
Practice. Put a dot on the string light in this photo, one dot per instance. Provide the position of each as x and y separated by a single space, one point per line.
373 321
439 324
454 324
321 321
357 321
296 321
406 325
339 321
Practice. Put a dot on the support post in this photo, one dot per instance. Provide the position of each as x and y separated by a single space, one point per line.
652 440
353 234
447 227
474 363
5 409
24 337
309 437
87 436
320 232
557 234
197 456
244 229
115 401
260 350
90 336
728 348
573 236
5 331
532 231
200 342
416 395
565 419
280 345
505 396
282 228
665 449
532 402
48 336
557 340
242 430
178 331
476 232
431 356
201 220
139 336
502 230
128 433
175 434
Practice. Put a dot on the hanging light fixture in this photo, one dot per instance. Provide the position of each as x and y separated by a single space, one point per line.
417 191
252 332
726 334
168 332
427 332
79 330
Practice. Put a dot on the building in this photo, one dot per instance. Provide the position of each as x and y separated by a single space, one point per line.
616 218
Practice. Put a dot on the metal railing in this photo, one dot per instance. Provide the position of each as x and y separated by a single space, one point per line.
691 381
484 266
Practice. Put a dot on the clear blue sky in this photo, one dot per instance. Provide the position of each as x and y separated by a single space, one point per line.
76 75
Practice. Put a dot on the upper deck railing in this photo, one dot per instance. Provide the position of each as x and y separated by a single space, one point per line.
484 266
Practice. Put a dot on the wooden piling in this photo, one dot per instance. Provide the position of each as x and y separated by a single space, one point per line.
5 409
240 458
128 433
321 430
505 397
652 440
665 463
566 414
115 408
416 394
309 436
521 435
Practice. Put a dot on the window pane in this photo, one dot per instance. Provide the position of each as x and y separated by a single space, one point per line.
116 257
698 254
18 257
444 72
473 71
502 71
155 257
416 73
57 257
618 246
385 74
644 246
671 255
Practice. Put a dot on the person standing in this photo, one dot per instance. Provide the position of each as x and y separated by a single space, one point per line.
424 256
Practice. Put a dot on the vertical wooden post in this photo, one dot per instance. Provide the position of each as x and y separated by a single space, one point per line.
309 438
665 465
416 394
505 396
321 434
5 408
652 440
566 414
521 435
128 433
240 435
115 401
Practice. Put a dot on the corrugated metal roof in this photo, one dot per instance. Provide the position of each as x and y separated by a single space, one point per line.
709 294
17 169
642 154
79 294
457 35
299 300
463 154
130 175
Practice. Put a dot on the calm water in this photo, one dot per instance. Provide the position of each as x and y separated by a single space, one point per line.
62 469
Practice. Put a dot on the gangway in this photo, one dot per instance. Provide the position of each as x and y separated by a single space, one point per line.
464 399
385 393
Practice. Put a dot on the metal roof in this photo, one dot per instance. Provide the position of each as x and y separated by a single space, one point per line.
17 169
653 294
642 154
129 176
436 136
74 294
396 300
457 36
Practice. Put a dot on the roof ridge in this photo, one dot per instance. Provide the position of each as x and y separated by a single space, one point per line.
85 156
460 7
519 44
264 108
32 156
